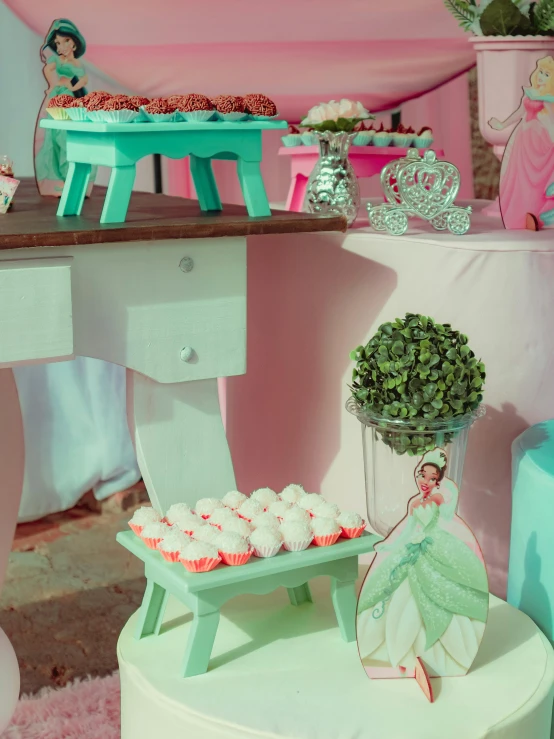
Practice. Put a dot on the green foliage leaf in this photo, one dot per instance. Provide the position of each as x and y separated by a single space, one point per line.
504 18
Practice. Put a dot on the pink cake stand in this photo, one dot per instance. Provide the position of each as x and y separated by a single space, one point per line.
366 160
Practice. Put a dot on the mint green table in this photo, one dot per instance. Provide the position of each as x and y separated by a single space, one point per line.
121 145
205 593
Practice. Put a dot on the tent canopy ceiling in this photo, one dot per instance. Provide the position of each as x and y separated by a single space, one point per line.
299 52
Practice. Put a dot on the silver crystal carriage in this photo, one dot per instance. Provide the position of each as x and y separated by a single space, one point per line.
422 187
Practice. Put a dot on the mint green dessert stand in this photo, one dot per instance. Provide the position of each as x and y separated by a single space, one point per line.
121 145
204 593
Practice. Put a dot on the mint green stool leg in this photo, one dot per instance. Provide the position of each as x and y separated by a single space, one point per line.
152 610
201 640
343 594
253 189
300 595
75 188
204 182
118 196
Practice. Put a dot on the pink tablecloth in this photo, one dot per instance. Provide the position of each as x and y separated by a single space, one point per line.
312 298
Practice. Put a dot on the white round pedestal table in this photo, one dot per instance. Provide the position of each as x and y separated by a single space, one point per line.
280 671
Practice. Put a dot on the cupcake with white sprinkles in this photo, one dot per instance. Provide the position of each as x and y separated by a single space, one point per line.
142 516
199 556
266 542
172 544
296 515
206 506
233 549
264 496
266 521
352 524
233 499
326 531
292 493
153 533
250 508
296 536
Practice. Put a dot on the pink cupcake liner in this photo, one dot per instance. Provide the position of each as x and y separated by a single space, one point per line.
352 533
267 551
327 540
234 559
151 543
297 546
169 556
200 565
135 528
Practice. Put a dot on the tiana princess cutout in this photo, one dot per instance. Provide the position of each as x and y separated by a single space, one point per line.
424 603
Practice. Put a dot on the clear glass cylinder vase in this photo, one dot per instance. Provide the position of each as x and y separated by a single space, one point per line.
333 186
392 449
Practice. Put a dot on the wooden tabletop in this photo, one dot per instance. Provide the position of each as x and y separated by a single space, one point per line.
32 221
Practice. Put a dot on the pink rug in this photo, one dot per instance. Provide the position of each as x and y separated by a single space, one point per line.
87 709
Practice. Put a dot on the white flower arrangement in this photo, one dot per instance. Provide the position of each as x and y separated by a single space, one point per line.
341 115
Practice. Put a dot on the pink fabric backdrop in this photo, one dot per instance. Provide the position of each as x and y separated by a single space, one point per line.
322 49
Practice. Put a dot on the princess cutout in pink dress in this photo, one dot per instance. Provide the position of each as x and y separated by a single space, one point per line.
527 168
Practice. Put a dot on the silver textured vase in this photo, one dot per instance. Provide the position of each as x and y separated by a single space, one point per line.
333 186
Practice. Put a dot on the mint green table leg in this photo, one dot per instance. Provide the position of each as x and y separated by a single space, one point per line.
118 196
253 189
75 188
204 182
201 640
300 595
343 594
152 610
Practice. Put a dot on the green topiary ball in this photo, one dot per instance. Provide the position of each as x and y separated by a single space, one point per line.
415 368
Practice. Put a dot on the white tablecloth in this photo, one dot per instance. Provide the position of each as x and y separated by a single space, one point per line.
76 434
314 297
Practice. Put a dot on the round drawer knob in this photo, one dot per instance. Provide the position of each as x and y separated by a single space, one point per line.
186 264
187 353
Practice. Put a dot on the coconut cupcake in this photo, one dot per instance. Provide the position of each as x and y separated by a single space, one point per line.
326 510
233 549
220 515
308 501
175 511
266 521
233 499
237 526
142 516
279 508
264 496
326 531
296 536
266 542
57 107
199 556
172 544
250 508
153 533
206 506
292 493
188 522
352 524
208 534
296 515
196 108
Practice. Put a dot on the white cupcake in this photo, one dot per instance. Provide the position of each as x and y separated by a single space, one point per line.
308 501
208 534
233 549
250 508
382 138
153 533
279 508
266 520
296 515
187 522
326 531
326 510
220 515
233 499
266 542
143 516
175 511
172 544
206 506
238 526
264 496
296 536
352 524
199 556
292 493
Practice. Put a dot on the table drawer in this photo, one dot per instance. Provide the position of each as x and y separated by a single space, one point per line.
36 321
